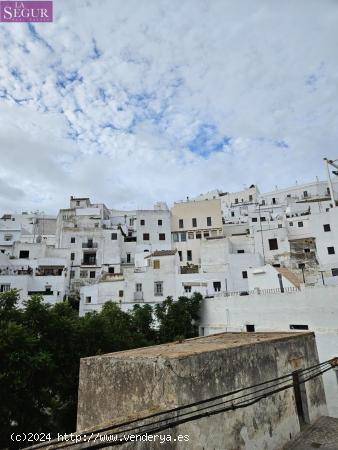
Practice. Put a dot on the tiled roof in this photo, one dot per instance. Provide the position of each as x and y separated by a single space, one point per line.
162 253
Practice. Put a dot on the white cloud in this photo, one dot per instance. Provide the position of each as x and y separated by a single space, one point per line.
111 98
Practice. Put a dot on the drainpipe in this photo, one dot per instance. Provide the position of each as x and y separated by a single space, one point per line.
280 282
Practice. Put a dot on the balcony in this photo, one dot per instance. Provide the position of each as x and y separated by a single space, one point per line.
138 296
190 268
89 245
127 261
88 262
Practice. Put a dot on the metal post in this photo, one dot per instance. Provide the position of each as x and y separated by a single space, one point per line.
303 274
280 282
321 272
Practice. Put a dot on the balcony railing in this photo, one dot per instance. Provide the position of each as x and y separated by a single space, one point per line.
89 245
89 262
138 296
127 261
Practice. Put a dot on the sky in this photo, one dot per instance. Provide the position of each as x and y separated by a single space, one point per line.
136 101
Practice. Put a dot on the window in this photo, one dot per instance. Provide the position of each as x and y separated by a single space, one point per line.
198 235
250 328
161 236
299 327
96 225
209 221
263 219
131 222
187 289
92 274
88 299
328 191
158 288
183 237
159 222
180 255
273 244
327 227
236 200
83 274
291 224
8 237
280 225
206 234
240 251
72 273
191 235
111 270
5 287
24 254
300 224
175 237
306 250
254 219
77 202
232 213
250 198
334 272
114 236
146 236
244 274
217 286
72 240
157 264
301 265
194 222
138 287
180 223
130 234
263 202
189 255
128 257
305 194
72 256
330 250
142 222
120 294
273 200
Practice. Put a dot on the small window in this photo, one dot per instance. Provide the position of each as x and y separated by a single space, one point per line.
24 254
120 294
209 221
5 287
263 219
306 250
300 224
72 256
250 328
187 289
88 299
299 327
189 255
232 213
305 194
250 198
158 288
334 272
273 200
244 274
198 235
191 235
327 227
290 224
183 237
72 240
72 274
83 273
114 236
130 234
330 250
92 274
280 225
161 236
263 202
111 270
217 286
157 264
175 237
301 265
180 223
142 222
8 237
206 234
146 236
254 219
194 222
131 222
273 244
240 251
180 255
128 257
138 287
77 202
328 191
159 222
236 200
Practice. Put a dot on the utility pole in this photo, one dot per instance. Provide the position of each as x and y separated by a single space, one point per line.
332 163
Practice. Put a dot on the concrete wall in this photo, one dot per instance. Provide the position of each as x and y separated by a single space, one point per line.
125 383
315 307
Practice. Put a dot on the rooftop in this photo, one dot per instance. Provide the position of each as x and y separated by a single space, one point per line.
203 344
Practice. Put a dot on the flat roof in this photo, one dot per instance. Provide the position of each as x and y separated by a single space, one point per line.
205 344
